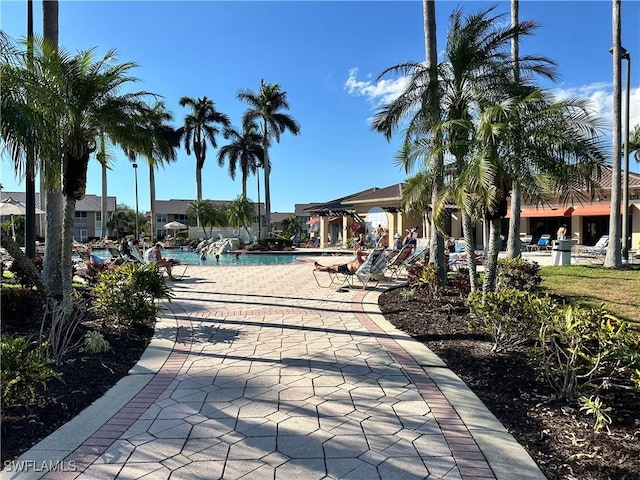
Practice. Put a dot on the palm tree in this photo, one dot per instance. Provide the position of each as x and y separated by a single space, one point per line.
209 215
559 151
200 129
476 69
613 258
88 91
240 213
266 106
163 140
244 151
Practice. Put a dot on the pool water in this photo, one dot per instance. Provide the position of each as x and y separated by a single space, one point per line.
226 259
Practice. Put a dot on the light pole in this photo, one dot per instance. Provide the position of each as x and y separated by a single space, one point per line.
625 55
135 176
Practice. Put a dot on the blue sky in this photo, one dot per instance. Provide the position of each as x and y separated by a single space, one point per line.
326 56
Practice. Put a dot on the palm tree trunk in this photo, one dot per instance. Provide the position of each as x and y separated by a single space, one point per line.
67 250
613 257
436 244
152 199
513 240
52 268
491 257
267 193
52 196
103 205
470 247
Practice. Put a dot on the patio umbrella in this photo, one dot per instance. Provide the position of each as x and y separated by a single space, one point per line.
175 226
10 206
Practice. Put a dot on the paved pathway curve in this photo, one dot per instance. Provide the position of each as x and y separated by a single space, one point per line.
258 373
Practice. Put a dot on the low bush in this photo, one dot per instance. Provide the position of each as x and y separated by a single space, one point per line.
24 367
128 293
519 274
17 305
94 342
511 317
584 350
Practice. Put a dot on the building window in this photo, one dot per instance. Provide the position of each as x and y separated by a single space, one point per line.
161 218
80 217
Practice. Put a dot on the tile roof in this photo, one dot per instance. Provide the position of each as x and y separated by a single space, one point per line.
90 203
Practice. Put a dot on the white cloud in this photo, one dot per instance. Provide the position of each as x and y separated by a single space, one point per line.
378 92
600 96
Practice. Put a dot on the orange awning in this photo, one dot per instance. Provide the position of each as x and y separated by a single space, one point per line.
594 210
531 212
313 221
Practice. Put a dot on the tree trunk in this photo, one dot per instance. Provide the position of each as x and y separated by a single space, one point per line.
53 195
103 206
267 193
470 247
52 268
67 250
513 241
436 244
491 257
613 257
152 199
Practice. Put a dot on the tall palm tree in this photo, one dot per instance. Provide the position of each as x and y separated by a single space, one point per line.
476 68
244 151
436 244
613 258
634 142
266 107
160 149
51 191
104 156
82 100
201 127
513 238
559 151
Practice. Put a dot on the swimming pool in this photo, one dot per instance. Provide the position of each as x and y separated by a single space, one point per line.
226 259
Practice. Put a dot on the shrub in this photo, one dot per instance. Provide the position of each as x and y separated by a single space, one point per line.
511 317
23 367
519 274
585 348
18 305
128 293
94 342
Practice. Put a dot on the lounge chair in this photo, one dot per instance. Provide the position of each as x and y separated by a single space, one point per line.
373 265
525 241
544 243
397 263
595 253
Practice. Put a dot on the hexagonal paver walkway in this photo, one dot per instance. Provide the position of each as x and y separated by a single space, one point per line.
260 374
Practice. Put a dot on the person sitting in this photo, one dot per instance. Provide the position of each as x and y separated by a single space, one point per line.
397 242
154 254
349 268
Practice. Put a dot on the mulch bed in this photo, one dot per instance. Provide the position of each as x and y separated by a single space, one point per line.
85 378
556 434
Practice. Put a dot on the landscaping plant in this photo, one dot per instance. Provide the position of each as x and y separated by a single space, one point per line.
128 293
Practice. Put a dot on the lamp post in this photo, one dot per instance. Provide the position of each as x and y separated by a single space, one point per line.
625 55
135 176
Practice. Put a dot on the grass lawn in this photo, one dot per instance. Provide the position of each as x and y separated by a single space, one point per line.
618 290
